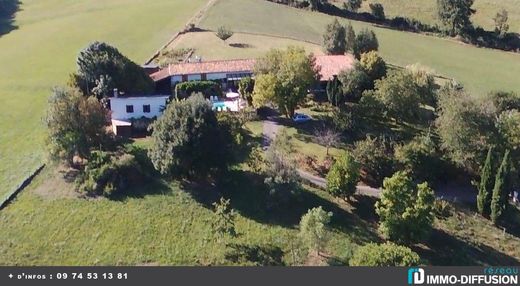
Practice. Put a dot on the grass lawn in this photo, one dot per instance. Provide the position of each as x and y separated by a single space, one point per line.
42 51
209 47
426 11
480 70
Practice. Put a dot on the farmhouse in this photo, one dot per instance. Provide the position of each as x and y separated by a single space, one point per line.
126 108
229 72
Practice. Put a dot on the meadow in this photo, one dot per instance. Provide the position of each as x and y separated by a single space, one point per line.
426 11
40 53
480 70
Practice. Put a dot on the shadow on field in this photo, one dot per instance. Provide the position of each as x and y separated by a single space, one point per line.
8 9
444 249
256 255
249 197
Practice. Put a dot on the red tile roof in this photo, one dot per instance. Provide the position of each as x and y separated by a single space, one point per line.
329 67
333 65
223 66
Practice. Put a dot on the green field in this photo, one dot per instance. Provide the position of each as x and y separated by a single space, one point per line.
42 51
481 70
210 47
426 11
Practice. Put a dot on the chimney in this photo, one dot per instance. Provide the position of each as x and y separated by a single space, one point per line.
116 93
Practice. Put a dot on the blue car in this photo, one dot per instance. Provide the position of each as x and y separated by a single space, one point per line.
301 118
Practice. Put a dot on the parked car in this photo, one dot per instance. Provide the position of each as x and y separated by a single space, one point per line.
301 118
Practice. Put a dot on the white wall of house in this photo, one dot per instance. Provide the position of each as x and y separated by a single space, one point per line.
120 107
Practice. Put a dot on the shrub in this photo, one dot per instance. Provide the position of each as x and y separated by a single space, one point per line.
223 224
387 254
110 174
343 177
207 88
405 211
352 5
442 208
313 228
375 157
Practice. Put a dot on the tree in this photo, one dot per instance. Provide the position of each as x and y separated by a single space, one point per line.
316 5
374 65
384 255
75 124
354 81
425 83
245 88
283 78
223 224
375 157
366 41
184 140
405 212
509 127
499 197
224 33
102 67
485 187
455 15
400 95
334 38
377 10
466 127
501 25
343 177
327 137
313 228
350 41
335 92
420 158
352 5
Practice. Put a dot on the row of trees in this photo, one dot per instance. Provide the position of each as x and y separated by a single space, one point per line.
339 39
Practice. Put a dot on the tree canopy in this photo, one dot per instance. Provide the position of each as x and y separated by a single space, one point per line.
384 255
455 15
405 211
334 38
283 78
102 64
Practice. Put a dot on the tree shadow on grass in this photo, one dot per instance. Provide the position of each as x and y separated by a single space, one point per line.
8 9
255 255
445 249
249 197
241 45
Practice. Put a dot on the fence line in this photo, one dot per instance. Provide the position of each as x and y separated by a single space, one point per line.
11 196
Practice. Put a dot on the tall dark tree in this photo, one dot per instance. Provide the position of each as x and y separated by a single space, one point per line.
335 92
377 10
350 38
501 25
455 15
100 62
499 198
334 38
366 41
485 187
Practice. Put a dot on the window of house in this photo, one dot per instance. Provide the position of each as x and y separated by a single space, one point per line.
146 108
129 109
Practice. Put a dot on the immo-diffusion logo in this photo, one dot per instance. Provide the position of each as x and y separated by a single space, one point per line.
416 276
490 276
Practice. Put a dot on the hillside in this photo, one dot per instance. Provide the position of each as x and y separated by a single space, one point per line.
425 11
481 70
41 52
